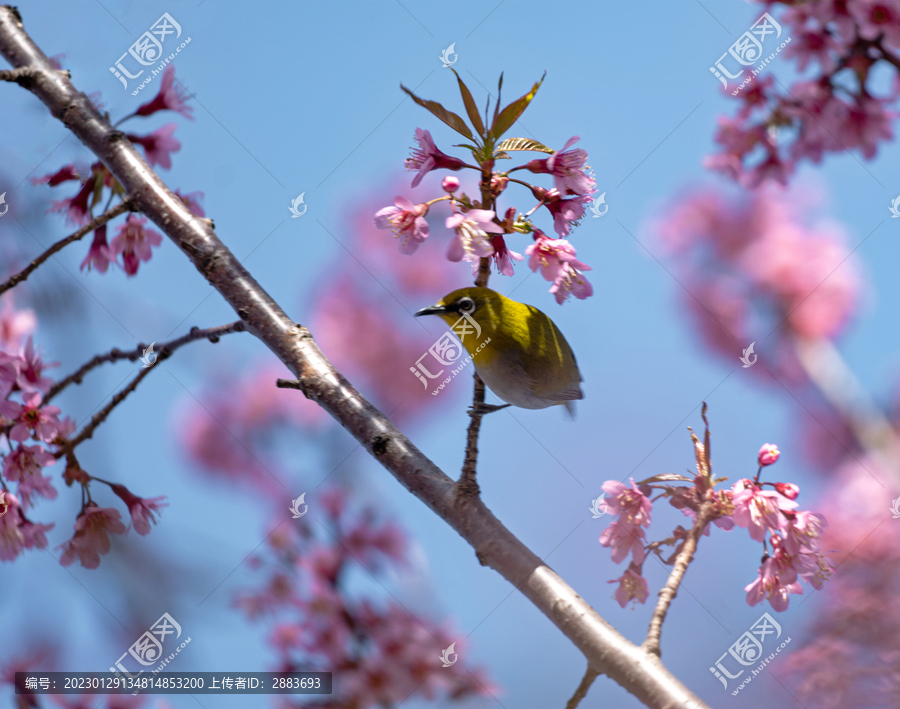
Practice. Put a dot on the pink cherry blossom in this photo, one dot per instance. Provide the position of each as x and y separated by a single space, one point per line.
571 281
15 324
98 255
427 157
802 532
158 145
789 490
24 461
171 97
450 184
134 243
472 229
569 170
502 257
550 255
632 587
567 213
631 505
31 418
759 510
64 174
407 221
76 208
624 538
17 533
35 484
91 538
777 579
30 371
141 509
768 454
9 372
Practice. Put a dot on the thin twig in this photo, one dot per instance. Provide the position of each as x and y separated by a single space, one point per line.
96 223
668 591
17 75
211 333
467 484
589 676
102 415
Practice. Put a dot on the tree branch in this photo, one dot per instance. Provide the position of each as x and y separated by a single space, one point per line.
668 591
95 223
640 673
211 333
874 432
589 676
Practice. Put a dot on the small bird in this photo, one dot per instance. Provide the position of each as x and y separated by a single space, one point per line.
520 354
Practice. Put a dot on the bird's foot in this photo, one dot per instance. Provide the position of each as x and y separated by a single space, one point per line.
480 409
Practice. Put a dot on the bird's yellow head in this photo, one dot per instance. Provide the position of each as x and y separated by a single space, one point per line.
481 304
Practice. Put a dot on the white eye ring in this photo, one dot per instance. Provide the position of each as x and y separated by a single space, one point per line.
466 305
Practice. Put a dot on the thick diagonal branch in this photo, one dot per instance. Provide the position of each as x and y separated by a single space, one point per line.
640 673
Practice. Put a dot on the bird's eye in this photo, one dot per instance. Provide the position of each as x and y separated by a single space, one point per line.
466 305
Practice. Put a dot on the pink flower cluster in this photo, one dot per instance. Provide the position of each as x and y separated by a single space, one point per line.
478 230
133 240
22 375
768 515
626 536
761 264
380 654
847 45
30 428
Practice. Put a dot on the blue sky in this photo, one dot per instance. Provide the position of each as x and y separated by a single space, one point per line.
304 97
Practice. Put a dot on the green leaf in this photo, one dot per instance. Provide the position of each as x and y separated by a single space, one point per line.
448 117
523 144
666 478
511 113
471 108
499 91
502 156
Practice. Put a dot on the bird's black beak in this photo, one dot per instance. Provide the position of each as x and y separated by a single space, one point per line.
432 310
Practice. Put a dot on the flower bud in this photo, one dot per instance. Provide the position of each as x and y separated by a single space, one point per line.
789 490
537 166
450 184
768 454
498 184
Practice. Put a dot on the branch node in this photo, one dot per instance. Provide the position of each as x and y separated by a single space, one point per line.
289 384
380 444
